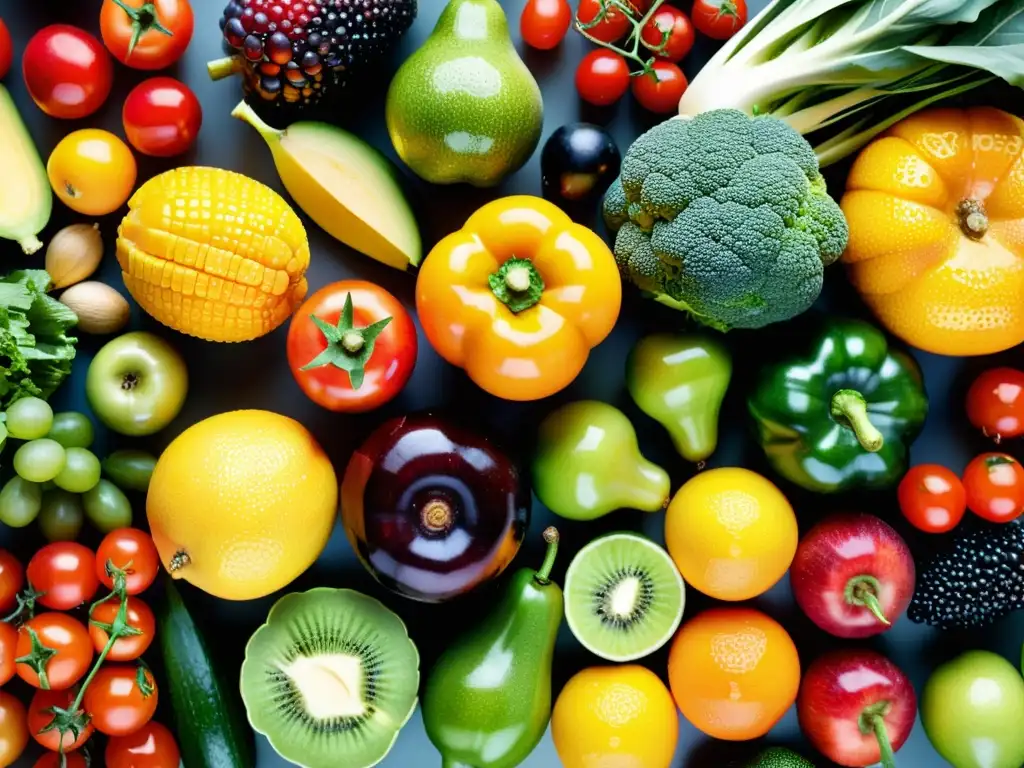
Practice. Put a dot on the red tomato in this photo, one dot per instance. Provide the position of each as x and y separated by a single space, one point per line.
152 746
660 92
8 651
719 19
369 371
52 760
131 549
544 23
65 654
128 647
995 487
668 34
40 716
6 50
604 22
161 117
13 729
995 403
161 31
65 572
932 498
602 77
67 71
117 703
12 579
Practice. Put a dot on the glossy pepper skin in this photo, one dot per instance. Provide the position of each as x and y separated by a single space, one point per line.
841 415
488 699
518 297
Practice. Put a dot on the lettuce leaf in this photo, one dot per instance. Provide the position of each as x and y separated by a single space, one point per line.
36 351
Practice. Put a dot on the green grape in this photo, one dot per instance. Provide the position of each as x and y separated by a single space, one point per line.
107 507
71 429
3 435
19 502
29 418
39 460
130 469
61 516
81 470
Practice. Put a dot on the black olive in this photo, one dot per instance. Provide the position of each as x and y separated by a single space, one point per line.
578 163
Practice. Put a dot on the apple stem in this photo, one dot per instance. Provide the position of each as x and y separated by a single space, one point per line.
884 747
863 591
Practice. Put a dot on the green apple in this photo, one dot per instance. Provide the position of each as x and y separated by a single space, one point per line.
972 708
136 384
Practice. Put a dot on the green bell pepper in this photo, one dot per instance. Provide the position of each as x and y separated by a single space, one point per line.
842 414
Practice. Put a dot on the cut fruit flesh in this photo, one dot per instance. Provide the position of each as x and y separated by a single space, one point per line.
330 686
624 597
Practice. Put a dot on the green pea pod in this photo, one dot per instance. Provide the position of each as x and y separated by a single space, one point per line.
130 469
843 413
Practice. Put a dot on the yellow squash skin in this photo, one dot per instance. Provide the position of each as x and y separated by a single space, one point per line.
213 254
910 256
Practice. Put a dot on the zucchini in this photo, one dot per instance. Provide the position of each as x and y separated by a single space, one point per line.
212 731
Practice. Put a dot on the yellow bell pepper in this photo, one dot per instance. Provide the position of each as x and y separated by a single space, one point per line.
936 214
518 297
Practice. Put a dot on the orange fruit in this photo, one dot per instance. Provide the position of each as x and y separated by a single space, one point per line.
734 672
731 533
944 276
242 503
615 717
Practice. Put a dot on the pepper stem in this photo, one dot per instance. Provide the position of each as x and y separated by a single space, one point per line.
544 572
851 410
863 591
973 219
517 284
872 720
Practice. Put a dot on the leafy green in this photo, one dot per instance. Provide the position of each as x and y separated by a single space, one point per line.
35 349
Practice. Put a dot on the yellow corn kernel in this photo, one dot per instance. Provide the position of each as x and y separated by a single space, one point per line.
213 254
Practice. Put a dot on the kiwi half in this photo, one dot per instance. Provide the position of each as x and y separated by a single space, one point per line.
330 679
624 597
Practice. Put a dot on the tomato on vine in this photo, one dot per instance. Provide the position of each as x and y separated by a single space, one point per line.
660 89
12 579
994 483
602 20
995 403
41 722
543 23
602 77
932 498
130 647
133 551
53 760
668 34
65 573
152 746
121 698
719 19
8 652
146 34
53 651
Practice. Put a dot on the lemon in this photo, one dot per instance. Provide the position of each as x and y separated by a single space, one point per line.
242 503
615 717
731 533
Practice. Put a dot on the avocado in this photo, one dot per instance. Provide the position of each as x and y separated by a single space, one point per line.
464 107
779 757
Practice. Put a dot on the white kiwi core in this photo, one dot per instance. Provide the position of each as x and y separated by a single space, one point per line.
622 600
331 685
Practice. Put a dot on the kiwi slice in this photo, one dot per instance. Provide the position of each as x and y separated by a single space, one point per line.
624 596
330 679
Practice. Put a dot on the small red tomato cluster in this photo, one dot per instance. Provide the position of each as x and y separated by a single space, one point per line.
934 499
651 34
88 672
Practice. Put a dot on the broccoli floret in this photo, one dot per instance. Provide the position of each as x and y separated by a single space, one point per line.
725 216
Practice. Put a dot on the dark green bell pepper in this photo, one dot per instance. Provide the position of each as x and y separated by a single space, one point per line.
843 413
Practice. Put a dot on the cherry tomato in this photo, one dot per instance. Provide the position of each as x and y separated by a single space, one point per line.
668 33
544 23
660 90
995 487
152 746
66 573
385 355
52 760
132 550
12 579
67 71
161 117
40 716
719 19
13 728
609 23
118 704
6 50
57 632
92 171
995 403
129 647
602 77
932 498
151 35
8 652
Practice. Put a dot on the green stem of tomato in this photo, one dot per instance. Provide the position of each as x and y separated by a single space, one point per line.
635 36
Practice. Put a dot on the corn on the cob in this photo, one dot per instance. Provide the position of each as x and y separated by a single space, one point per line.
213 254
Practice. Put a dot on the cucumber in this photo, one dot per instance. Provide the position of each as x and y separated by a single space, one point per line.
212 731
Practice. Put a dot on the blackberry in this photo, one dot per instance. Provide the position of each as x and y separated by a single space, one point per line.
298 52
980 580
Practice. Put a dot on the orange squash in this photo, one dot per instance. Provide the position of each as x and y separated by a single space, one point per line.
936 214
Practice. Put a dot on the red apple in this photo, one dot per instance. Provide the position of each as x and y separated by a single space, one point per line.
853 575
856 707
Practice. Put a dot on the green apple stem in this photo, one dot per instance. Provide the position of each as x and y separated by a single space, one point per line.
544 572
872 720
863 591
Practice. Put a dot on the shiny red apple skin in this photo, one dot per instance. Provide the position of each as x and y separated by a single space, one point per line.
841 548
837 688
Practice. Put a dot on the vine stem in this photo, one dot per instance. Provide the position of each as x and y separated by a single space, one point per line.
635 36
